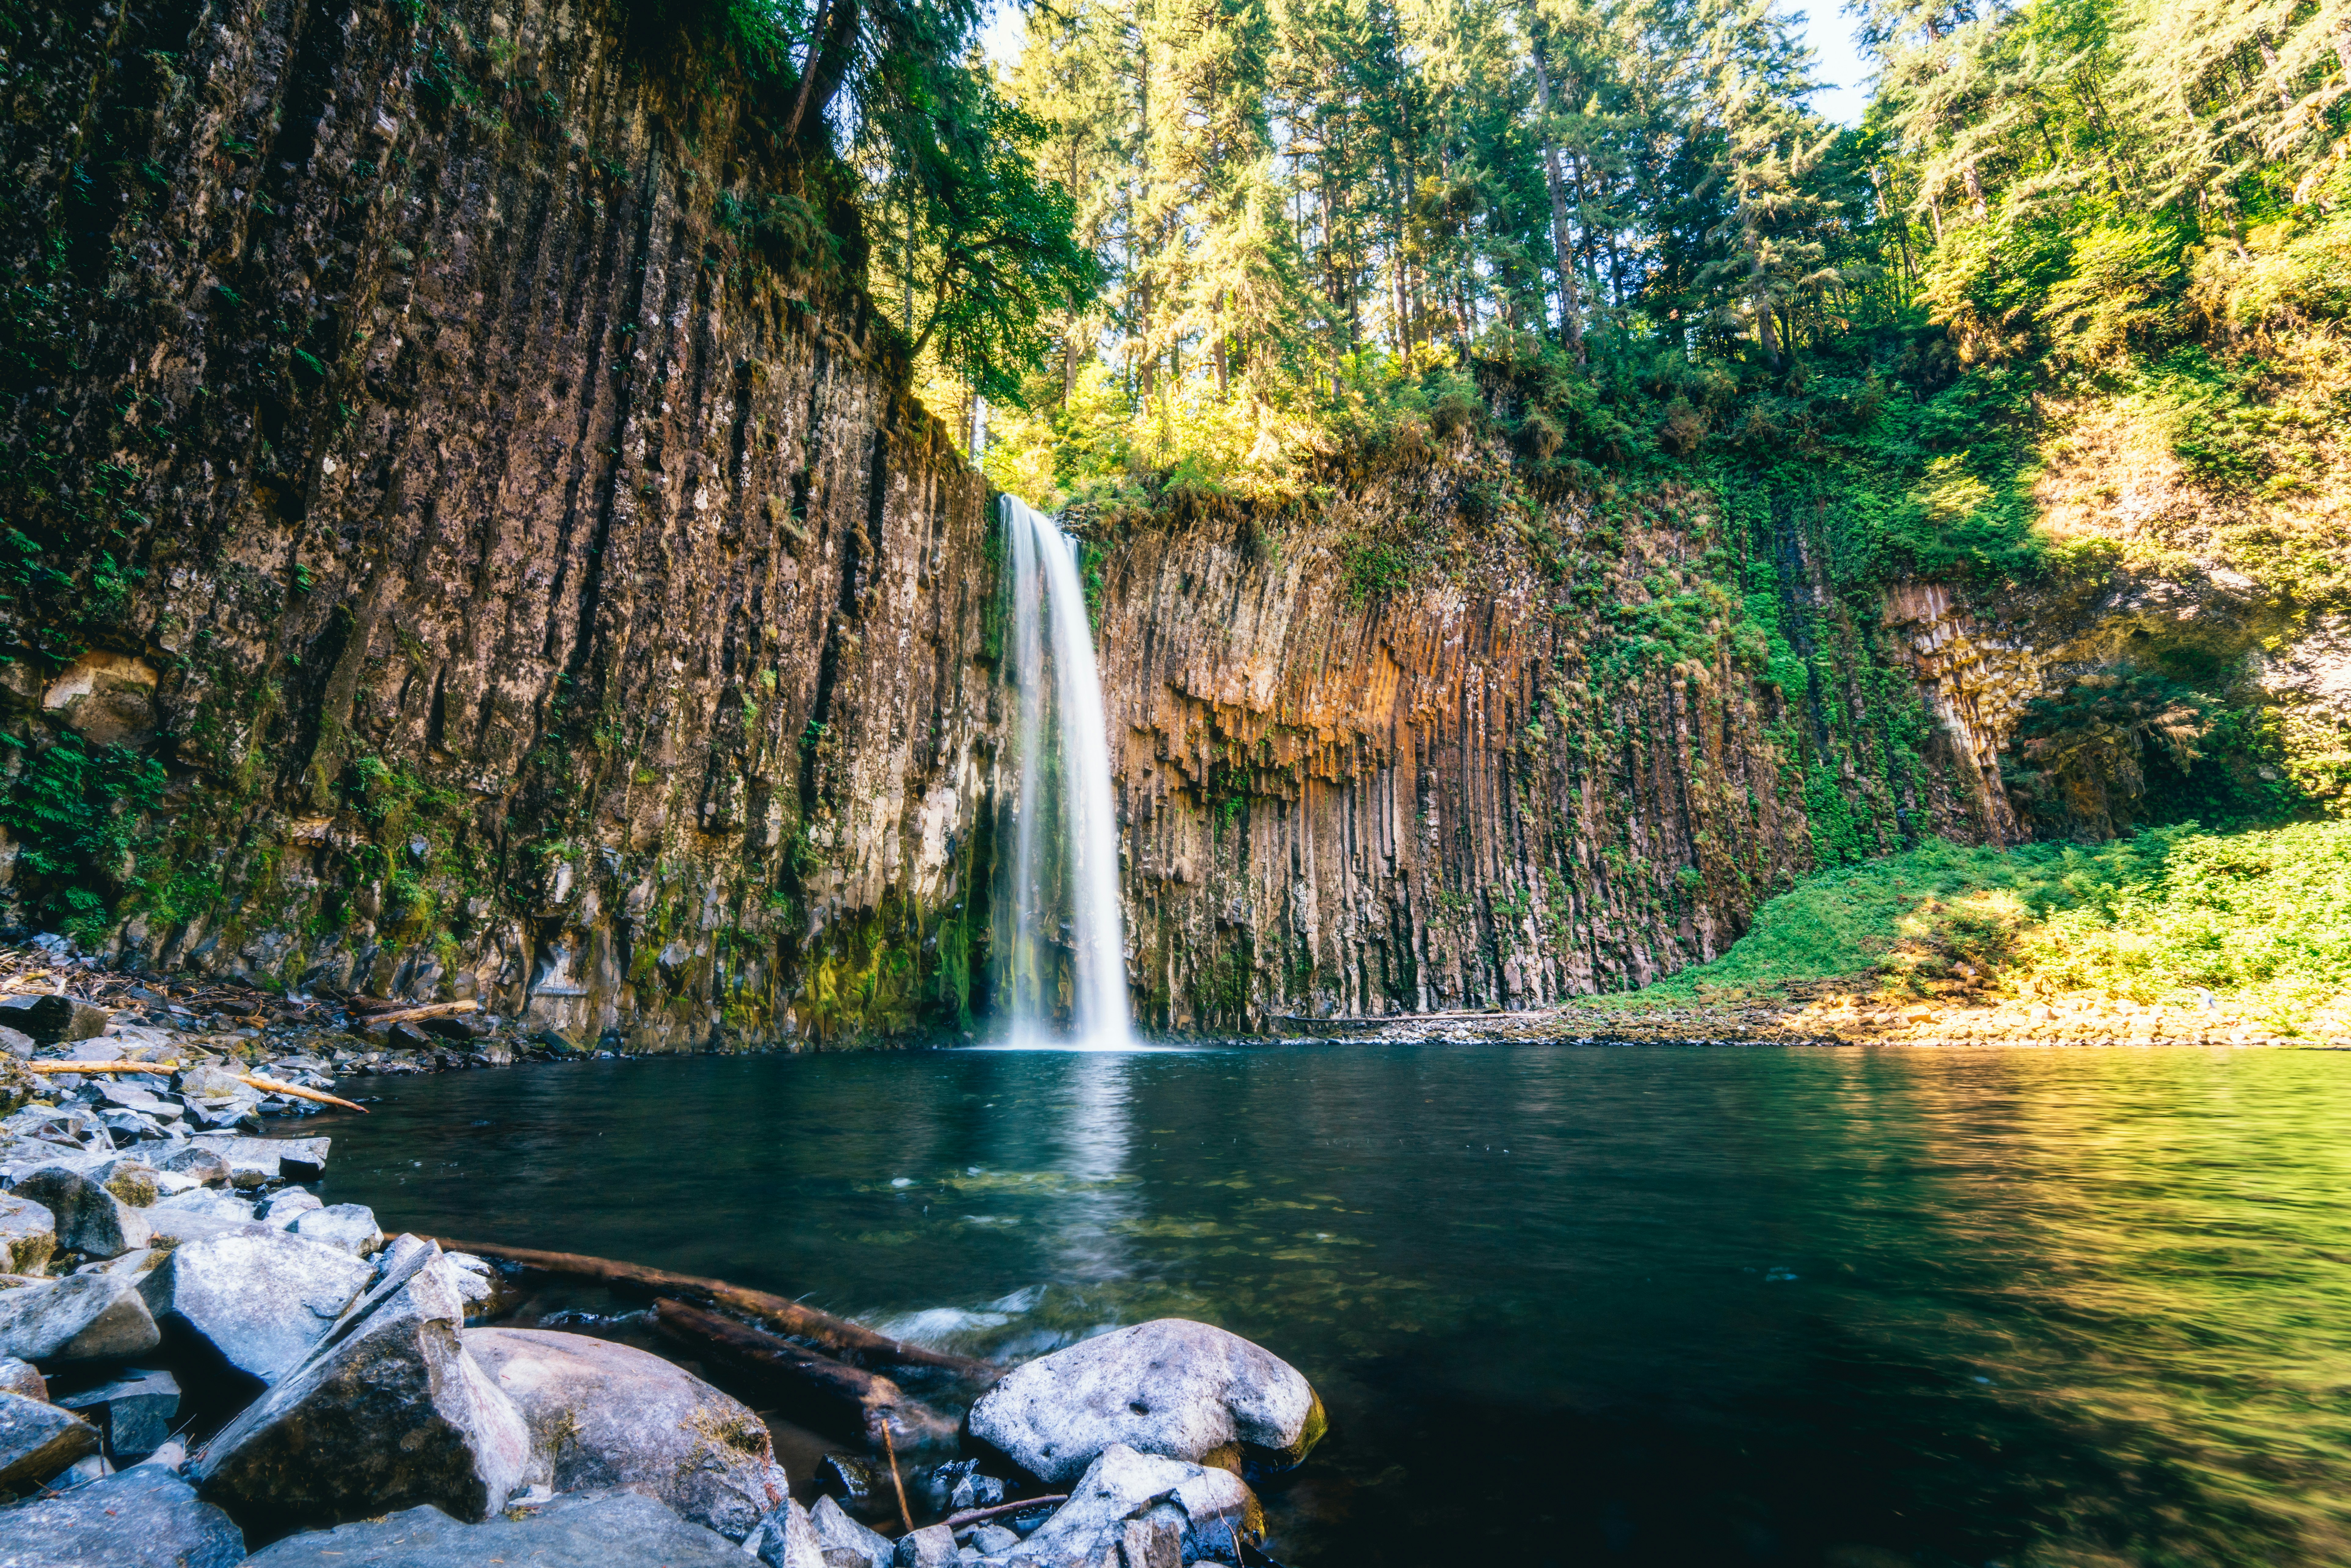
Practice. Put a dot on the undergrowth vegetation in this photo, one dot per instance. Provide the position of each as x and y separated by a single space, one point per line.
2260 919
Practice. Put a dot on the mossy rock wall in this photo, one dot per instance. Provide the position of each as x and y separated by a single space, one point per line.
463 547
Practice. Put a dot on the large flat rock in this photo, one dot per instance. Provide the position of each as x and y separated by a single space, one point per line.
617 1529
1172 1387
84 1317
388 1412
144 1517
259 1299
251 1161
605 1414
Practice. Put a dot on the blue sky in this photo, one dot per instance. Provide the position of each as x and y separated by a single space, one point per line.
1826 27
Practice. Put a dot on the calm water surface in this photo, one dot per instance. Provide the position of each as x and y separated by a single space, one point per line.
1857 1308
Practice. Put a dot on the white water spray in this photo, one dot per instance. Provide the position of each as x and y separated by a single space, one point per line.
1045 587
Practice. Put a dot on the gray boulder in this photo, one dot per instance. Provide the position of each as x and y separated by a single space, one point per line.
786 1539
605 1415
283 1208
257 1162
1158 1510
615 1530
351 1227
1172 1387
388 1412
17 1043
259 1298
193 1159
90 1219
53 1020
837 1533
38 1440
87 1317
23 1377
135 1411
144 1517
28 1234
933 1546
994 1539
205 1200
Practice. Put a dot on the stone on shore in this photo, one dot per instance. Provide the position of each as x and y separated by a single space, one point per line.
144 1517
1158 1510
28 1234
1172 1387
17 1043
614 1529
605 1415
193 1159
135 1411
786 1539
258 1298
283 1207
52 1019
350 1227
23 1377
84 1317
836 1532
257 1162
37 1440
387 1413
933 1546
90 1219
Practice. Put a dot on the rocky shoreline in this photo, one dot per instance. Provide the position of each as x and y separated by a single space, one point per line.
200 1360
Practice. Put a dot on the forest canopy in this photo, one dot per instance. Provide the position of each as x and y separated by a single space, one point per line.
1227 234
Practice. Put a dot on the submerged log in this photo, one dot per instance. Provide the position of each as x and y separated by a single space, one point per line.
867 1402
782 1312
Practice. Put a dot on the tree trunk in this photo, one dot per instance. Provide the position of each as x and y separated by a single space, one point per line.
864 1402
1571 321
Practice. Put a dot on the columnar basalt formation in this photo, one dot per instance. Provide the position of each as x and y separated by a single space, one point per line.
441 434
1529 773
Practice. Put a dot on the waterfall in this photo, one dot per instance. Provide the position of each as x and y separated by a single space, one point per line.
1079 863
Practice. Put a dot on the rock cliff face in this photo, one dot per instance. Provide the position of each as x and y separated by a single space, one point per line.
1547 764
428 435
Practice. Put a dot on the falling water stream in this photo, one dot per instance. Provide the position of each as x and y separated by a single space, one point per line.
1065 840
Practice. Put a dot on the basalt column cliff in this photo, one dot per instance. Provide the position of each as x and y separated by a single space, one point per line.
461 513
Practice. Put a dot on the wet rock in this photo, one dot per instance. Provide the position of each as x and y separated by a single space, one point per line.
1181 1389
144 1517
23 1377
255 1162
933 1546
994 1539
389 1411
1207 1512
38 1440
90 1219
616 1530
87 1317
53 1020
135 1411
282 1209
351 1227
258 1299
28 1234
606 1415
785 1539
856 1546
848 1479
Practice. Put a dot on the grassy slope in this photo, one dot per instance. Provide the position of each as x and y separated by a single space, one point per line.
2260 919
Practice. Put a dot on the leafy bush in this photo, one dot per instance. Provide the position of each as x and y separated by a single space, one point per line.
80 819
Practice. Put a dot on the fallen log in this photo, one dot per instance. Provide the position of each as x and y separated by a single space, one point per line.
982 1515
410 1015
165 1069
876 1409
271 1086
780 1312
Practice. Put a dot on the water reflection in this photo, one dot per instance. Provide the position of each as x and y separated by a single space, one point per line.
1652 1306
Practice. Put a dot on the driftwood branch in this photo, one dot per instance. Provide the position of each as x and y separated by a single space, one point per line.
165 1069
982 1515
876 1408
779 1311
410 1015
